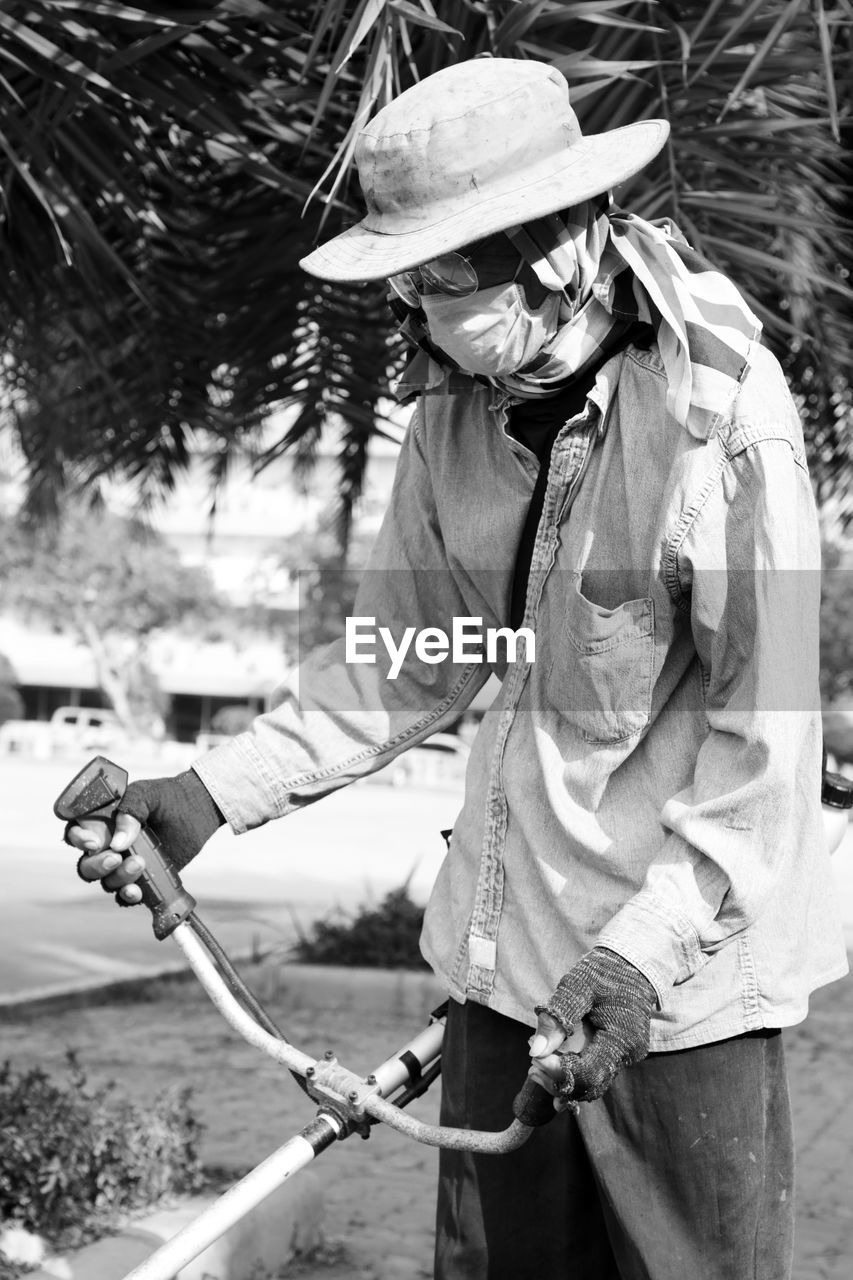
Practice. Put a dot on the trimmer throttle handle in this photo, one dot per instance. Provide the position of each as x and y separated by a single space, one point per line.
533 1105
95 794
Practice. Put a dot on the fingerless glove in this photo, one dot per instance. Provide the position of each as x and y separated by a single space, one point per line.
618 1001
180 810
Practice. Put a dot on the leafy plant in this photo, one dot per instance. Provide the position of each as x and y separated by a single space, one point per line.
74 1157
385 936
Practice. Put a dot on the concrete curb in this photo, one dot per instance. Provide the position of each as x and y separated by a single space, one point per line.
288 1223
402 988
85 991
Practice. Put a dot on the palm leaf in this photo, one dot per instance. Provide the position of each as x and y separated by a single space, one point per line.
160 162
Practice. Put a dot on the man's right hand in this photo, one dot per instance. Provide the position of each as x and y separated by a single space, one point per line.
180 811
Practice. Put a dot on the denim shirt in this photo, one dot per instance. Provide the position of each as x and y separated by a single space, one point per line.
650 781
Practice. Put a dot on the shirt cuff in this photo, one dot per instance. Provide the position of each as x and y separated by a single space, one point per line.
656 939
240 781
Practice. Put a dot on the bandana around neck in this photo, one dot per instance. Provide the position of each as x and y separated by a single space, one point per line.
616 270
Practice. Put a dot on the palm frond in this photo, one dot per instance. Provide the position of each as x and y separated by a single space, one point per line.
164 167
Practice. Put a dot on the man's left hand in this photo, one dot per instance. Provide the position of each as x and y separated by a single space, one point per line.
616 1001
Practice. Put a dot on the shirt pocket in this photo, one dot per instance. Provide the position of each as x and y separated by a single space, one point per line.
601 675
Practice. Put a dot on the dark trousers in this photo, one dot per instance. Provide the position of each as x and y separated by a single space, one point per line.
682 1171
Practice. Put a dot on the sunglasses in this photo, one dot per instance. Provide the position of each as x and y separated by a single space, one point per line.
455 274
450 273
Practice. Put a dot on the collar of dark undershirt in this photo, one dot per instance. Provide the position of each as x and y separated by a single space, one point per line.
535 423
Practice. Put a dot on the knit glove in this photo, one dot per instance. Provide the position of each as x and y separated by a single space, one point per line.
180 810
617 1001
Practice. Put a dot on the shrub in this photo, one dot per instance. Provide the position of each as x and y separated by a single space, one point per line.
379 937
75 1158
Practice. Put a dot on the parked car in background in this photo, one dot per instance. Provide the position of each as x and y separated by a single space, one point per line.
70 729
88 728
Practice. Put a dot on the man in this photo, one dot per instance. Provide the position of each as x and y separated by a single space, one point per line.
604 457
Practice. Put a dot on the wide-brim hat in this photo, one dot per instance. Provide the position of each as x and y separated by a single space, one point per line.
473 149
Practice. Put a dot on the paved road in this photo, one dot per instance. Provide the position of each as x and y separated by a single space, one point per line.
254 889
258 888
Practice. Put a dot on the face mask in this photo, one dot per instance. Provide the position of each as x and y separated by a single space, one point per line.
492 331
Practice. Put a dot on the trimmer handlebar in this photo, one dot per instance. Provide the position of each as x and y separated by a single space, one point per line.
92 799
348 1103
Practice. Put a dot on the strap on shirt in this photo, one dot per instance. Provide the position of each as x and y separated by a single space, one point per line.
524 554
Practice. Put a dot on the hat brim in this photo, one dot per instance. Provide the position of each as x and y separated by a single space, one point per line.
593 165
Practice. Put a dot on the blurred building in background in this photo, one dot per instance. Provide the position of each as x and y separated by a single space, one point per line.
252 547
